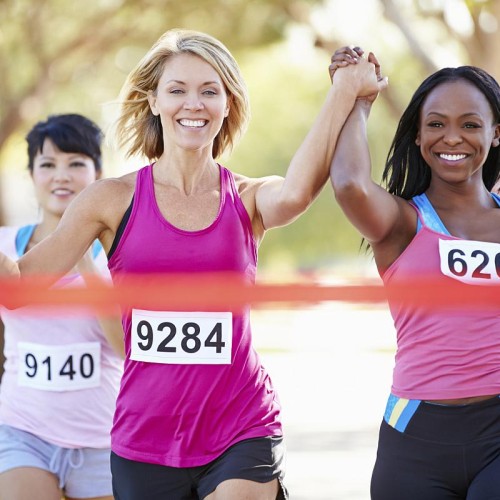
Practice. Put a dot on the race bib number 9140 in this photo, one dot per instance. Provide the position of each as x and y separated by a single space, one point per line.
59 367
171 337
474 262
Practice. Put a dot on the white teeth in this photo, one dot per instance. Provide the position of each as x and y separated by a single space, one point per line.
61 191
192 123
452 157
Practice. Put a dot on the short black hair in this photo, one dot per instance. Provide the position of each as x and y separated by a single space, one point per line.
71 133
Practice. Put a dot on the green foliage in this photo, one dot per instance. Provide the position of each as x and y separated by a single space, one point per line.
69 56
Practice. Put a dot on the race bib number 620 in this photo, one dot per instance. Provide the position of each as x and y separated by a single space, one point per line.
474 262
181 337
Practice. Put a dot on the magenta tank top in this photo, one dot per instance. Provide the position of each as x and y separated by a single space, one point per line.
443 352
186 412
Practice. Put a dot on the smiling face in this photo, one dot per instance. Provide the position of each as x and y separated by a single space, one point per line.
456 131
191 101
58 177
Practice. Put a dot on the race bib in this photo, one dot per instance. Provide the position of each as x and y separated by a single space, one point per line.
473 262
182 337
59 367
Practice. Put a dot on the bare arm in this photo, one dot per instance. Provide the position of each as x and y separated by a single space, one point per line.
386 221
94 214
111 324
369 207
281 200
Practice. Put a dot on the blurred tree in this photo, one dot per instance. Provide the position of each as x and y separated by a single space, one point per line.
474 24
434 30
57 55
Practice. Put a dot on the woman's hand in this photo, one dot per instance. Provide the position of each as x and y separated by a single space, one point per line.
8 267
353 55
343 57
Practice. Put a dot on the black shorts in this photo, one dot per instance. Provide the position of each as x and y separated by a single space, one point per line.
259 459
440 453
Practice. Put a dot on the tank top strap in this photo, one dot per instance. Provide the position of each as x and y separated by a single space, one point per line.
144 181
228 185
23 237
427 215
144 193
496 198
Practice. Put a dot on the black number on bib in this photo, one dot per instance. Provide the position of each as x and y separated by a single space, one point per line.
147 336
87 373
67 368
191 336
477 272
46 361
163 347
190 342
31 363
217 343
456 265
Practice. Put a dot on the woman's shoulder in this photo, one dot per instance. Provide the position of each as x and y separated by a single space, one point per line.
245 183
111 188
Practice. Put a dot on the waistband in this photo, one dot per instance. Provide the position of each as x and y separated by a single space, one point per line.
399 411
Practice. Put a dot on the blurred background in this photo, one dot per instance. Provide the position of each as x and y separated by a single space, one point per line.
58 56
332 362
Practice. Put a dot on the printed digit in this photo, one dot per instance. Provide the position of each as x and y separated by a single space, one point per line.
67 368
453 261
147 336
218 343
497 264
477 272
191 336
31 363
87 373
46 361
163 347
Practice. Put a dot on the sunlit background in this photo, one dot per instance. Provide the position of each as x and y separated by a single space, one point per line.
331 363
58 56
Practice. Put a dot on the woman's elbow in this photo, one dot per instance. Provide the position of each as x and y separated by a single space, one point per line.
348 190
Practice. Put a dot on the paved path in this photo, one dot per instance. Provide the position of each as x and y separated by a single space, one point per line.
332 367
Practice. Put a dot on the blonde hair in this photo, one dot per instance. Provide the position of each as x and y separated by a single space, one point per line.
140 132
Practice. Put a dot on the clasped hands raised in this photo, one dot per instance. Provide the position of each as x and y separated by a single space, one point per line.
364 74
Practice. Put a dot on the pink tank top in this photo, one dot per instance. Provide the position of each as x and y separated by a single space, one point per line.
61 376
443 353
186 412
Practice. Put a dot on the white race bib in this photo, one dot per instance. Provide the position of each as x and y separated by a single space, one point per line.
181 337
59 367
474 262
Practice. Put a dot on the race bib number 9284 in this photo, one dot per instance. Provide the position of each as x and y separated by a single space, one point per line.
172 337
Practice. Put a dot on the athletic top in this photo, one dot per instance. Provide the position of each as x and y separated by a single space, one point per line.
61 376
185 397
444 353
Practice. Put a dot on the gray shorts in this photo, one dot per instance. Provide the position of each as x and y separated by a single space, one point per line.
82 472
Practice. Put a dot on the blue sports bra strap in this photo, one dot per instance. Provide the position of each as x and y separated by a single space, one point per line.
24 234
428 214
496 197
23 237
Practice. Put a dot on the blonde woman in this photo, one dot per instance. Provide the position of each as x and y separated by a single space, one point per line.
197 416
